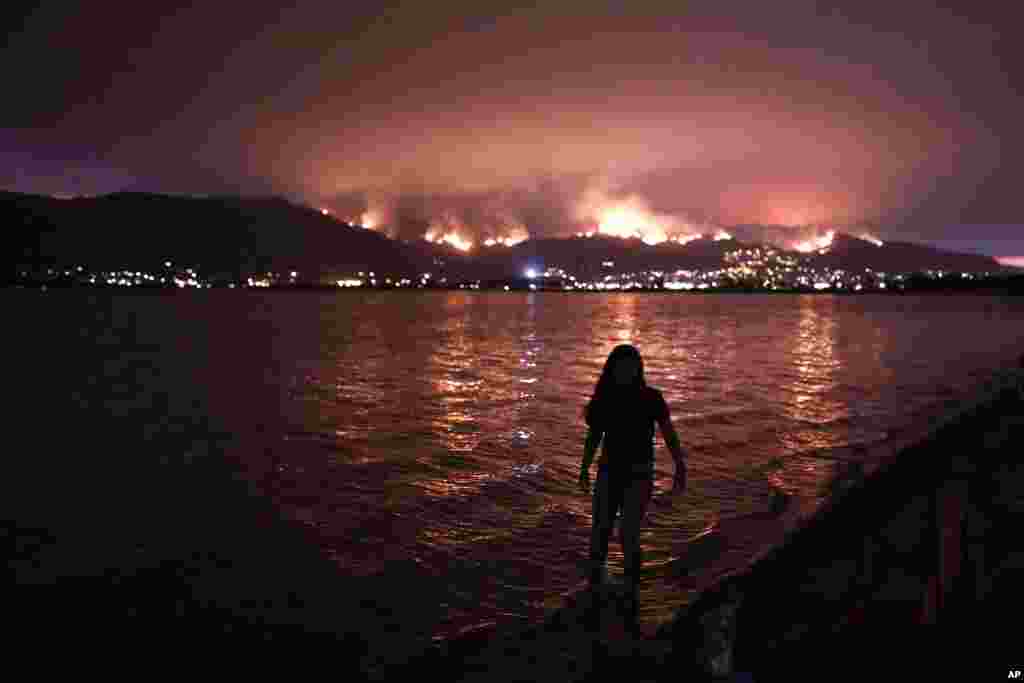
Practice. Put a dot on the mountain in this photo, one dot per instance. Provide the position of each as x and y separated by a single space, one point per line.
851 253
219 234
235 235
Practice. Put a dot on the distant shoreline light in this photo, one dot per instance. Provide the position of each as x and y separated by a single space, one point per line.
1013 261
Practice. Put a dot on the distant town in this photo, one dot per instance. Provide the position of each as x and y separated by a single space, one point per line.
746 269
156 242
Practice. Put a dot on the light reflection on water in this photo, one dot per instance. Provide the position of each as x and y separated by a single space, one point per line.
449 425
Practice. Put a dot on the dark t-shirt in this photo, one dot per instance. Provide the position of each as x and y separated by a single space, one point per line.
625 421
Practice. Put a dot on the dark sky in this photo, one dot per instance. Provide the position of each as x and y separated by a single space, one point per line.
896 114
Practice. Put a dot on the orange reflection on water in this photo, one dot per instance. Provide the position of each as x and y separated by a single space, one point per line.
814 363
454 483
455 379
809 398
625 318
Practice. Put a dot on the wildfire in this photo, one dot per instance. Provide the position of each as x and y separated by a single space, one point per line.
450 238
370 220
816 244
630 217
501 229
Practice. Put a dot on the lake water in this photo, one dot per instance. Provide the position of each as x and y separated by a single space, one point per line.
444 428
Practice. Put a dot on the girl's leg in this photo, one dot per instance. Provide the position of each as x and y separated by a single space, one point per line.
634 507
601 530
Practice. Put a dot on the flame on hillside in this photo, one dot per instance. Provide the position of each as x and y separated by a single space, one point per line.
819 243
450 229
450 238
371 220
631 218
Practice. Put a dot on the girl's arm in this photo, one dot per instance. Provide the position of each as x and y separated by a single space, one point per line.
679 454
593 440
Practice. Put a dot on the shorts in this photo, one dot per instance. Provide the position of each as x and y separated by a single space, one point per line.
618 478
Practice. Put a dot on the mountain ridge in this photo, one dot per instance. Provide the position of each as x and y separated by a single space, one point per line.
233 234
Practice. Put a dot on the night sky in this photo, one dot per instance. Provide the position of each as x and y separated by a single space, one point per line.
894 115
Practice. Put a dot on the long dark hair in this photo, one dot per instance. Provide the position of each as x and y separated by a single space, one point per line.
605 389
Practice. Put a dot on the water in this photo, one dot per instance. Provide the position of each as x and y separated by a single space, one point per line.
444 429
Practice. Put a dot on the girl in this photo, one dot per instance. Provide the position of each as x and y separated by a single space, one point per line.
622 413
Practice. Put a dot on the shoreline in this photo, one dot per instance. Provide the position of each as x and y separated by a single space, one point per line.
1005 285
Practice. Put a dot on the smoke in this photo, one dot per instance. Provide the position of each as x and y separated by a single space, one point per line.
480 219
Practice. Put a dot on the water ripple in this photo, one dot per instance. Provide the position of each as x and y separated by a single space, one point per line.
456 440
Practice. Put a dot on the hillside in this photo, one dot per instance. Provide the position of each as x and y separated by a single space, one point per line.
235 235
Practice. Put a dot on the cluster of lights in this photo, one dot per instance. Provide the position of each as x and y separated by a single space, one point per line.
802 278
131 278
655 238
765 269
503 241
370 279
687 285
271 279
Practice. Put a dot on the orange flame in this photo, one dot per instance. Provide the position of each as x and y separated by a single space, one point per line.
631 217
816 244
450 238
370 220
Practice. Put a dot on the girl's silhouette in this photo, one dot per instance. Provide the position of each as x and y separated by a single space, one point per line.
620 417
